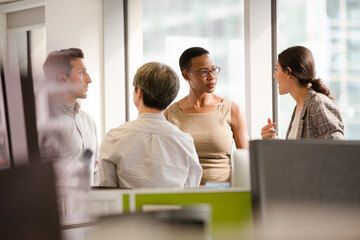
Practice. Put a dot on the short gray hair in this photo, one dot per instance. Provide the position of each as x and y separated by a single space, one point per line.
159 84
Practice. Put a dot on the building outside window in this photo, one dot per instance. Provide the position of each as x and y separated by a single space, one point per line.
331 30
171 26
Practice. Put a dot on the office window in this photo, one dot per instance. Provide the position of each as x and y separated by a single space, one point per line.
171 26
331 30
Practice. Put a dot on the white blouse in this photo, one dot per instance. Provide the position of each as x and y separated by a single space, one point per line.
295 125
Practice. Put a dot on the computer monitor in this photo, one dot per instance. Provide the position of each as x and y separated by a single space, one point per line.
301 172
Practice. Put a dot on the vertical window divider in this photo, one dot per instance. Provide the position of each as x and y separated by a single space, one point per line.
274 59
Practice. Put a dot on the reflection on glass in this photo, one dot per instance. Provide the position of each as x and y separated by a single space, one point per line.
171 26
4 144
330 29
4 141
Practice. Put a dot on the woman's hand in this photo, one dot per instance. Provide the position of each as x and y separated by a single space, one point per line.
269 132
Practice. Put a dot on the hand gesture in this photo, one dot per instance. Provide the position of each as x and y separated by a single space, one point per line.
269 132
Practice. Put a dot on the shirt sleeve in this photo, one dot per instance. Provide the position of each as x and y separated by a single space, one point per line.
195 170
95 164
107 174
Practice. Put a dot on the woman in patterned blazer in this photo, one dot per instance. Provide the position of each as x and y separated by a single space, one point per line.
315 114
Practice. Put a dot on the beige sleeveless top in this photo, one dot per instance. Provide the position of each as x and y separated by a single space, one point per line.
212 136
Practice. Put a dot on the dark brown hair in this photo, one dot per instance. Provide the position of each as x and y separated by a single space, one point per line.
59 62
302 66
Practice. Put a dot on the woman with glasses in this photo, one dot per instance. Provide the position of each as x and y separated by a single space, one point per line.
315 114
213 121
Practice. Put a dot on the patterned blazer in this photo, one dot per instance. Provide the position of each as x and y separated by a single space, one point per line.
320 118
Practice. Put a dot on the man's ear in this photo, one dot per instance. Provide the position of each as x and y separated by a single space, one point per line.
139 93
62 78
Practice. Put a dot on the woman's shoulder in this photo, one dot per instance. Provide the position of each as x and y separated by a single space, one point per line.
173 108
226 103
318 99
180 105
320 103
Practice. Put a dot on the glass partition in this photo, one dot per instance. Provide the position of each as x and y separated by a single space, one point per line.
4 141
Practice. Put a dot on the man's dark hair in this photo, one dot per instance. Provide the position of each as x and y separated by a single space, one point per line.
59 62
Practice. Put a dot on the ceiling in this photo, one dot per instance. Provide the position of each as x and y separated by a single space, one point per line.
2 2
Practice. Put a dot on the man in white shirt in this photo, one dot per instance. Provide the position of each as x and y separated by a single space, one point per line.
150 152
72 141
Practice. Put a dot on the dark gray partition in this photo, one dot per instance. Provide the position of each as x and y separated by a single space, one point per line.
304 173
28 204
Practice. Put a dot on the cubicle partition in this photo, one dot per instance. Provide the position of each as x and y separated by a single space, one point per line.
306 184
230 208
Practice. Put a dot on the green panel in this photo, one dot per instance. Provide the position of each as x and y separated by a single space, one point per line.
126 202
231 211
227 207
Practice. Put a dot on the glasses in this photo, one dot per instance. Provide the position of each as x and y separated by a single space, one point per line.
205 73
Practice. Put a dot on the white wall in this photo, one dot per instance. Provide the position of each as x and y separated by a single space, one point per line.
78 23
114 64
258 65
135 44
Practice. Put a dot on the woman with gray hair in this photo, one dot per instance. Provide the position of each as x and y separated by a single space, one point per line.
150 152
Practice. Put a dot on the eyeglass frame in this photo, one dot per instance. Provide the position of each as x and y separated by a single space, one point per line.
207 72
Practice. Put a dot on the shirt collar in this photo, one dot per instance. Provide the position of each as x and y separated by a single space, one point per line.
152 116
65 107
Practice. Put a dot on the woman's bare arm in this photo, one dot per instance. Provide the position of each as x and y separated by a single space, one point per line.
239 127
